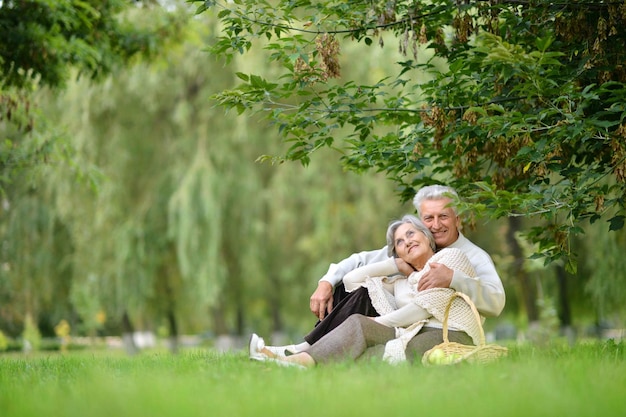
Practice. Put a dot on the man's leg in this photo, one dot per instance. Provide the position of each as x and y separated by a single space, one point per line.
350 339
345 304
339 294
355 302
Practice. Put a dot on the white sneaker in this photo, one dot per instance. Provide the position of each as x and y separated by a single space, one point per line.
255 346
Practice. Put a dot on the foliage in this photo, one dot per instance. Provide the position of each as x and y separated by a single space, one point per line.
144 243
44 44
523 113
84 298
607 283
182 218
44 39
154 204
31 335
4 342
131 193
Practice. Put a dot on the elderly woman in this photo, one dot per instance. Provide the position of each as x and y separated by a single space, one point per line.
409 322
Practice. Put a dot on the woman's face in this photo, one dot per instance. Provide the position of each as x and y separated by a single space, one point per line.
412 245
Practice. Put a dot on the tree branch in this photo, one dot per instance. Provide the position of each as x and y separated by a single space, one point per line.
335 32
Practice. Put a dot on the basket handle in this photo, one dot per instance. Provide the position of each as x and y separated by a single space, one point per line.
466 298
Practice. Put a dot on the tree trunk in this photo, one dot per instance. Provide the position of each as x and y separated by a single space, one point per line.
173 330
529 291
224 342
564 311
219 321
127 335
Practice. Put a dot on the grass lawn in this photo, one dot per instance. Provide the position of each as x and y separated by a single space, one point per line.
584 380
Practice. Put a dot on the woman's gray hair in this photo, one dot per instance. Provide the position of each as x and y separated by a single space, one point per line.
410 219
434 192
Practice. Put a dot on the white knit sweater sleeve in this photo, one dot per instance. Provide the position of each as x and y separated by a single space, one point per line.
404 316
355 279
337 271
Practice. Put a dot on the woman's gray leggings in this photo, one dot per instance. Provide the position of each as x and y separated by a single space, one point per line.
359 337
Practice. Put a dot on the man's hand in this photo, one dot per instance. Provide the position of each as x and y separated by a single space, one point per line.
439 276
405 268
321 301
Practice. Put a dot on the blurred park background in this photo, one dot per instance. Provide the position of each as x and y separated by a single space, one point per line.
132 205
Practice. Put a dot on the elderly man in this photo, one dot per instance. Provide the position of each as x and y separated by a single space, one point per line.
435 208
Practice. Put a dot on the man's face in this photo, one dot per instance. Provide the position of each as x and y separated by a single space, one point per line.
441 221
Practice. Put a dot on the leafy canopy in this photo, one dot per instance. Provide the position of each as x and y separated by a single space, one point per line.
44 43
523 112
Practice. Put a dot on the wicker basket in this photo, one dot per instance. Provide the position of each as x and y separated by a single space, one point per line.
448 353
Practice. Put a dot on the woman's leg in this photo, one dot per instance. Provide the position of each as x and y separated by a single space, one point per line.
372 353
355 302
350 339
429 337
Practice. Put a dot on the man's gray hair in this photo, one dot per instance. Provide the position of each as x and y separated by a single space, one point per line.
393 226
434 192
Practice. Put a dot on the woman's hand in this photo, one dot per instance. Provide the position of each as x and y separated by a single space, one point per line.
405 268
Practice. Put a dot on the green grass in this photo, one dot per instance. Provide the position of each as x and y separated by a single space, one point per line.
586 380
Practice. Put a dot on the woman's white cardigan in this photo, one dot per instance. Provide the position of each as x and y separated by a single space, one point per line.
400 305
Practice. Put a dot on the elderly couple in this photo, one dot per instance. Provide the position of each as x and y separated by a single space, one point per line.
390 303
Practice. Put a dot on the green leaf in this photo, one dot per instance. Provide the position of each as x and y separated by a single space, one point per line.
256 81
616 223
